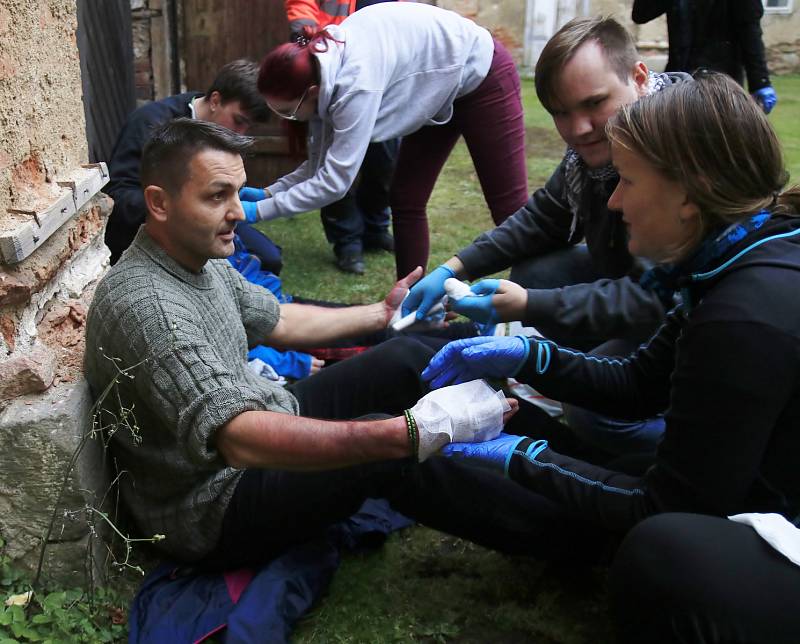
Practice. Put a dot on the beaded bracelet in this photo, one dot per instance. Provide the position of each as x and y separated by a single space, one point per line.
413 434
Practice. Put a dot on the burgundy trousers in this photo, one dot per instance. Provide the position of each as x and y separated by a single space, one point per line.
490 118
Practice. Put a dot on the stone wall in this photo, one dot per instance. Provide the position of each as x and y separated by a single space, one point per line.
45 291
41 113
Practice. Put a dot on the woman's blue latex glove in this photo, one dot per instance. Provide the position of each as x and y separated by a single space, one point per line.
252 194
478 307
473 358
250 198
494 455
250 211
766 98
427 292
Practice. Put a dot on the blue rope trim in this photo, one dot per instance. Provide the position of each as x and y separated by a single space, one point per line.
704 276
542 362
525 357
582 479
534 449
578 354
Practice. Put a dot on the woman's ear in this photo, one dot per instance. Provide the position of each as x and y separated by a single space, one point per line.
313 91
689 212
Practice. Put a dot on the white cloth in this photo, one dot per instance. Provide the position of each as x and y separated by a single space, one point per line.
466 413
399 67
776 531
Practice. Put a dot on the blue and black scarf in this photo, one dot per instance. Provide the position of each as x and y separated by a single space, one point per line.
665 280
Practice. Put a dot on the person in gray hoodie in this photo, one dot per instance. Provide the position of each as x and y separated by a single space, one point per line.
390 70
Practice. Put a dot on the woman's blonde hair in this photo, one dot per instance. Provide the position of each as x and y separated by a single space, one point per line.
712 138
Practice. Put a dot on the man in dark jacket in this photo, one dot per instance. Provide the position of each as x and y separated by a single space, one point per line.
232 101
580 295
721 35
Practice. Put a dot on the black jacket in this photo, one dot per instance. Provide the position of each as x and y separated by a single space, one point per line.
124 185
722 35
727 371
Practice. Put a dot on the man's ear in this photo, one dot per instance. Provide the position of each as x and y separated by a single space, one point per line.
214 101
157 201
641 77
313 91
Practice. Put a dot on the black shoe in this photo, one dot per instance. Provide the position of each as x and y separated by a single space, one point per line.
350 263
379 241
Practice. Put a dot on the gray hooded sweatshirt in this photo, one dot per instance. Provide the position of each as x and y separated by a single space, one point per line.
399 67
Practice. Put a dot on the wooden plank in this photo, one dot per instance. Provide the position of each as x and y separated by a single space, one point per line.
17 244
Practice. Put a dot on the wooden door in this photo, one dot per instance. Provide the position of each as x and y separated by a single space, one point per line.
215 32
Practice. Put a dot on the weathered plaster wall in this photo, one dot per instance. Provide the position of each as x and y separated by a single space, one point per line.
41 114
506 20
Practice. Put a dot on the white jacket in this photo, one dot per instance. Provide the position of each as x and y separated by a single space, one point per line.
399 67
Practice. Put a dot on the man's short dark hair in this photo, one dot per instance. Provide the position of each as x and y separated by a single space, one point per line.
615 41
237 81
172 145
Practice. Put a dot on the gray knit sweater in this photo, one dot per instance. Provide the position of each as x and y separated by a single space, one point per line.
189 333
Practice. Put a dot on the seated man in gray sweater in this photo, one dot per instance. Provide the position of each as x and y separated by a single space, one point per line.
230 467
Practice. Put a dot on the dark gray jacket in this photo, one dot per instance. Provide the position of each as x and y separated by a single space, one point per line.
610 307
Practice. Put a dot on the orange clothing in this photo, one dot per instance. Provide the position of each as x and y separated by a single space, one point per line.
317 13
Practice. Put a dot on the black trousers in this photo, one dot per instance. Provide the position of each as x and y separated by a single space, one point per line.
701 579
274 509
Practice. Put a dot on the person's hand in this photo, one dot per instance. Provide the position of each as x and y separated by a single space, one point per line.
468 412
493 301
471 358
478 307
316 366
249 197
252 194
250 209
766 98
395 297
494 455
427 292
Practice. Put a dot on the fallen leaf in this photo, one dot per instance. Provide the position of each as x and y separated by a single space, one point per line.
23 599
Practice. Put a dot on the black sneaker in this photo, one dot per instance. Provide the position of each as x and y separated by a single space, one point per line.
379 241
350 263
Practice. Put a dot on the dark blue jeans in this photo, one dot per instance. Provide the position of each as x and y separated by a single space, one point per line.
258 244
364 210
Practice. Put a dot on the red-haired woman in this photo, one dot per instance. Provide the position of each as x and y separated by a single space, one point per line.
392 70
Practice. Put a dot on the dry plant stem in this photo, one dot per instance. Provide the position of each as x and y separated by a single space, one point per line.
124 420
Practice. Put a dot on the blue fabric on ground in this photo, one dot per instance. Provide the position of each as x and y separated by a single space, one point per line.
178 605
289 364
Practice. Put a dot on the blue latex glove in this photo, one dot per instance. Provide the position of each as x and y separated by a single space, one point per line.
252 194
473 358
427 292
250 211
478 307
766 97
494 455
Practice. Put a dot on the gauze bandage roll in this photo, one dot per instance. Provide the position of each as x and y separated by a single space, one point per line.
466 413
456 289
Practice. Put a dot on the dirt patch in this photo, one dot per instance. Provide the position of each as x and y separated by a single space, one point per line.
543 142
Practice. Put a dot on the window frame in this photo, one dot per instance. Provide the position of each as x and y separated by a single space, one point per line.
788 8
